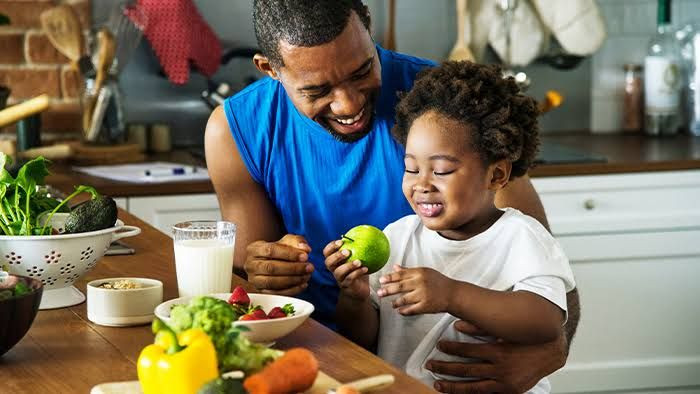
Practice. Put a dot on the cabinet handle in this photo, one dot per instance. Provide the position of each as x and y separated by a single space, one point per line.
589 204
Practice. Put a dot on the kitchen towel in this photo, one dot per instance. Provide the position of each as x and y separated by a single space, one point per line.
528 35
577 24
179 35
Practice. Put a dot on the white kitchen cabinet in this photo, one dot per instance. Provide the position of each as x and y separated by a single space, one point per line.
634 244
162 212
122 202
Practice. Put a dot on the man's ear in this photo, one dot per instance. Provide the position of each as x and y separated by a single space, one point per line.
263 65
499 174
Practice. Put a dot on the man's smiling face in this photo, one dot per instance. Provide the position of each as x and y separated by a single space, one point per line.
335 84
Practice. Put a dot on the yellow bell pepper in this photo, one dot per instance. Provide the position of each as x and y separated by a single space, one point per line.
183 372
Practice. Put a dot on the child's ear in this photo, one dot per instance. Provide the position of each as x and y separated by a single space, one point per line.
499 174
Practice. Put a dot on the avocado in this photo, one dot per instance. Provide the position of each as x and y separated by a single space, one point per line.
96 214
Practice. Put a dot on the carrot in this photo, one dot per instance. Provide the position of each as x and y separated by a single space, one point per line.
294 372
346 390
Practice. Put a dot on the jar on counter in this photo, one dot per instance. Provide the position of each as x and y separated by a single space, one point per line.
633 106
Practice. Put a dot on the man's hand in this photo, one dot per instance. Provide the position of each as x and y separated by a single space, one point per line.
505 367
423 290
280 267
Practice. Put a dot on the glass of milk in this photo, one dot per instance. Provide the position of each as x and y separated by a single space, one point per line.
204 256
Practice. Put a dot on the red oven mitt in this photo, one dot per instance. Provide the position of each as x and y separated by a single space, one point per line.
179 35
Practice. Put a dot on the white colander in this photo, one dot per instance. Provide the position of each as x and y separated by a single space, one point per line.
59 260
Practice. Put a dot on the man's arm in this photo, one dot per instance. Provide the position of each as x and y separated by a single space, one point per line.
520 194
241 200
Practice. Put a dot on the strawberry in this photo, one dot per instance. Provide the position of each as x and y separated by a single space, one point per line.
239 297
278 312
257 314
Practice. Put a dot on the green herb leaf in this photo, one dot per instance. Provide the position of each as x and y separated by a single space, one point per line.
32 173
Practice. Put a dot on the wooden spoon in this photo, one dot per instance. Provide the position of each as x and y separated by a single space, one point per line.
461 49
105 57
389 39
63 29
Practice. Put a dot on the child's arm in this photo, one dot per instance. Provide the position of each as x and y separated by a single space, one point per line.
514 316
357 318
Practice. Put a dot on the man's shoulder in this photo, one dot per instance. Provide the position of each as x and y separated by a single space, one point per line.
256 107
405 60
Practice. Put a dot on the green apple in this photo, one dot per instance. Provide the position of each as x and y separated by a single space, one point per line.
367 244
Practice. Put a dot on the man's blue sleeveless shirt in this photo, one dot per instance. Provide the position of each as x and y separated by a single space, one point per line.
322 187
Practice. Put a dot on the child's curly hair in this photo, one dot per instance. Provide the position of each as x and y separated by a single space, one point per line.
503 122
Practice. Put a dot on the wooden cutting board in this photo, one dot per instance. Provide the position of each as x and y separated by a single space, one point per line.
80 153
322 384
84 154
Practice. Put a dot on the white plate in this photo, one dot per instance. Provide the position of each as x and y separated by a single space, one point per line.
260 330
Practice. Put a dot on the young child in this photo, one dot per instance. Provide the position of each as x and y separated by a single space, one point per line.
467 132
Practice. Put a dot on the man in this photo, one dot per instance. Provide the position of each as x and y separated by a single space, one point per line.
300 157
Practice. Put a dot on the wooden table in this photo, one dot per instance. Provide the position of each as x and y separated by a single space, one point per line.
64 352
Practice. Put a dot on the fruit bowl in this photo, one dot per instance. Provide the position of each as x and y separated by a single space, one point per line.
261 331
59 260
17 314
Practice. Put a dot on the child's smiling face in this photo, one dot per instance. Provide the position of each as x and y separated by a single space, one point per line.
446 182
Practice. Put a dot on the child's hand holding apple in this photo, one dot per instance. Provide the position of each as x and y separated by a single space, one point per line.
367 250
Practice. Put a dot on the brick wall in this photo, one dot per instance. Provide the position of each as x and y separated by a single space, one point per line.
30 65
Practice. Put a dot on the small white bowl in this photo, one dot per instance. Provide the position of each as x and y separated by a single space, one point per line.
123 307
263 331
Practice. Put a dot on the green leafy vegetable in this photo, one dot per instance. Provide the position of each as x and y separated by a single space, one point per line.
23 200
215 317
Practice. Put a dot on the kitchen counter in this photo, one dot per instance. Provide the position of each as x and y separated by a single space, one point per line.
64 352
619 153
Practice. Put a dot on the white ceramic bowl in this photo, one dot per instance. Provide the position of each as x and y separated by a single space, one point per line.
59 260
260 330
123 307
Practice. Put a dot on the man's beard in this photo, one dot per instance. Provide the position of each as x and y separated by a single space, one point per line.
348 138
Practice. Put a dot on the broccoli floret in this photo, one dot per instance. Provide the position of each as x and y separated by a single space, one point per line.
180 318
212 315
216 318
244 355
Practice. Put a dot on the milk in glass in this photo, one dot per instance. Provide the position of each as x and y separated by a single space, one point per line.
203 266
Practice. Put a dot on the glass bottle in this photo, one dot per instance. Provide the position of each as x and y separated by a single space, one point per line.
633 105
689 38
662 78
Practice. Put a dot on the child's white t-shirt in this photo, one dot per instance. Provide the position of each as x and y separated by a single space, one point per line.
515 253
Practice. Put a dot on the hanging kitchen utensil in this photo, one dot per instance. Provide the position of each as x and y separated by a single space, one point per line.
461 50
127 22
105 57
508 7
389 38
64 31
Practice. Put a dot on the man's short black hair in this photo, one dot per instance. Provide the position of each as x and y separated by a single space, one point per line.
304 23
501 120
